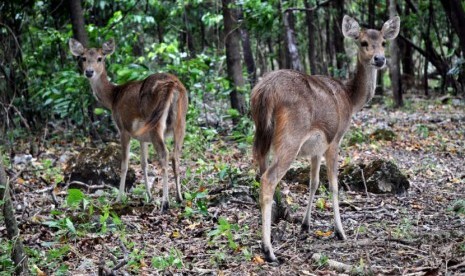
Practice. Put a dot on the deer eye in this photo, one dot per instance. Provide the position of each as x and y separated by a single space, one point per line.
99 59
384 43
83 58
364 44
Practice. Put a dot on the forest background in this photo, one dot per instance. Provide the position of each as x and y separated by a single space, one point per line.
219 50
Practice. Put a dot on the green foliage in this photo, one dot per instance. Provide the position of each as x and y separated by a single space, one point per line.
196 203
232 232
172 259
7 266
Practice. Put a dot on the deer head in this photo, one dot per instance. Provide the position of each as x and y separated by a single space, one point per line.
93 60
371 42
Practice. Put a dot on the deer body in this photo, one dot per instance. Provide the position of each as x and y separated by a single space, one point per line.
297 114
146 110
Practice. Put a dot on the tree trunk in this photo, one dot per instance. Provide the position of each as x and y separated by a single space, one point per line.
371 14
408 71
394 67
338 37
312 56
291 43
77 22
456 14
17 254
233 56
248 56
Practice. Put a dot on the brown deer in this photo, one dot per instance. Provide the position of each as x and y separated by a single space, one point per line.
295 113
146 110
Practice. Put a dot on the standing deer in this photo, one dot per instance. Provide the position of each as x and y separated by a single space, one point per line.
295 113
146 110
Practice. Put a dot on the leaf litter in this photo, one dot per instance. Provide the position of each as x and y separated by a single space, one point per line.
217 229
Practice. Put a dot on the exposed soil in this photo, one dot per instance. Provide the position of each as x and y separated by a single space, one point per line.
421 232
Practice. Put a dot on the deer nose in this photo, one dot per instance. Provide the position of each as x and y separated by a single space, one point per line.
89 73
379 61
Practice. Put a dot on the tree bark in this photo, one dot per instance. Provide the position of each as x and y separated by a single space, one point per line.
337 32
77 22
292 51
17 254
233 57
312 56
248 56
456 14
394 67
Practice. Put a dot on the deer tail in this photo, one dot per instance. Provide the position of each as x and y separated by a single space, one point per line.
165 91
262 112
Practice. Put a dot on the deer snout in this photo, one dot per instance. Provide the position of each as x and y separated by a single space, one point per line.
379 60
89 73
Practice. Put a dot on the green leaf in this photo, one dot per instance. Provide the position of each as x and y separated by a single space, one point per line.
70 226
75 196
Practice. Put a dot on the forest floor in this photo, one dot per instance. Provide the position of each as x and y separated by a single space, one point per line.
216 230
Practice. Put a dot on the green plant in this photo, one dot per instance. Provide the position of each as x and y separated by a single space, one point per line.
403 230
7 266
172 259
196 199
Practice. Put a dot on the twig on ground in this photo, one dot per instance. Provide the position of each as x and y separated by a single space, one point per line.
364 182
338 266
51 190
103 269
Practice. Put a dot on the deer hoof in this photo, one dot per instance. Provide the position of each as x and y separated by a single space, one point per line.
269 255
164 207
340 235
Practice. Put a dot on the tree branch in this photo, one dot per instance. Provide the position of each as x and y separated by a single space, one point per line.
318 5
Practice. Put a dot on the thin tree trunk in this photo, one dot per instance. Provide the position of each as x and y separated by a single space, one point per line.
394 67
337 32
371 14
248 56
233 57
455 12
291 42
17 254
77 22
312 56
408 72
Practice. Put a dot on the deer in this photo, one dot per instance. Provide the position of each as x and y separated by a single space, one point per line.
296 114
147 110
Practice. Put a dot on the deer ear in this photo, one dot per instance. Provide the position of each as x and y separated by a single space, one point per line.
76 47
350 27
108 47
391 28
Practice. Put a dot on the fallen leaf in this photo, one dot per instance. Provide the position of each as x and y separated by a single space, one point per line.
175 234
39 272
319 233
257 260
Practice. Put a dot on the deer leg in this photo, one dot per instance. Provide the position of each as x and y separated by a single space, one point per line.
281 162
158 143
125 138
262 163
314 183
178 141
143 162
331 156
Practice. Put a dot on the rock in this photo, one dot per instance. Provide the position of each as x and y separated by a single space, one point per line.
98 166
22 159
383 134
381 177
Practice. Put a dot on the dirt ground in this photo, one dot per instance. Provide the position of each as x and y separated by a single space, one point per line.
216 230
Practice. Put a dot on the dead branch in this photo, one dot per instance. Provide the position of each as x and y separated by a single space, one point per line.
103 270
338 266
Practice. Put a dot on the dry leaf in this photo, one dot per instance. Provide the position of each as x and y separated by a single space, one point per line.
319 233
257 260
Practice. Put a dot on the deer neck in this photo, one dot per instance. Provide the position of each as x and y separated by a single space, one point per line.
103 89
362 86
